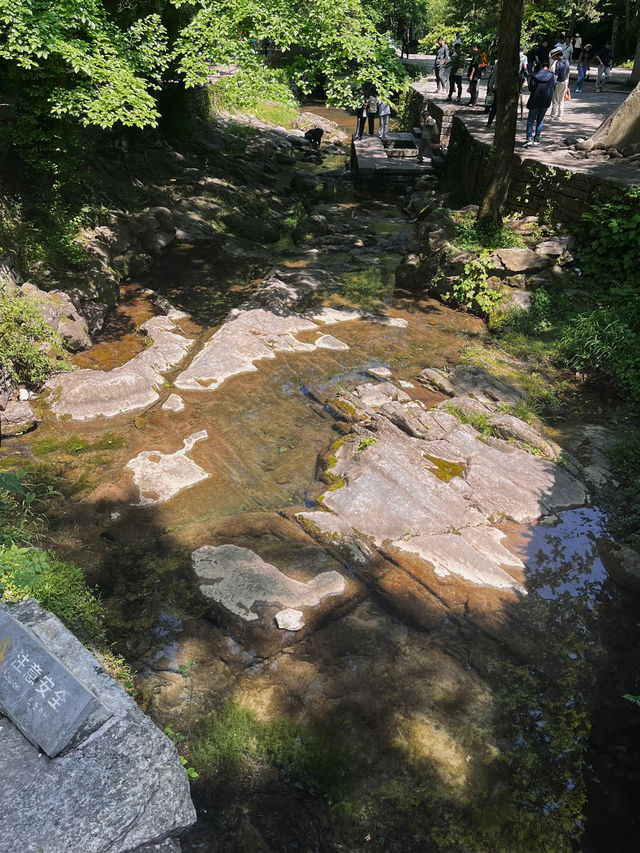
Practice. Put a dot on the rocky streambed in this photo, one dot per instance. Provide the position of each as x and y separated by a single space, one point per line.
295 498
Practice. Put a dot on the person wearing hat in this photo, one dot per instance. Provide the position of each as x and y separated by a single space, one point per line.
561 70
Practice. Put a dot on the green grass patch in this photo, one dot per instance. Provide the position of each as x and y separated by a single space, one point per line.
259 90
478 421
625 464
59 586
76 445
234 742
473 237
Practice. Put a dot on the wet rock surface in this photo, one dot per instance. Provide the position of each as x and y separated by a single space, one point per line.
87 394
416 482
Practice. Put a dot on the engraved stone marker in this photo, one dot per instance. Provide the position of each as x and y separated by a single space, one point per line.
38 693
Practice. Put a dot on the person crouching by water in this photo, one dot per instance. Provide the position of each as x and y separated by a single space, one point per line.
430 136
543 85
314 136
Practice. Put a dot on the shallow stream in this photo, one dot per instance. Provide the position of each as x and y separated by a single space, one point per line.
428 715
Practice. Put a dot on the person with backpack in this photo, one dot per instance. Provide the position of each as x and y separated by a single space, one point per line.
543 85
561 71
454 67
372 109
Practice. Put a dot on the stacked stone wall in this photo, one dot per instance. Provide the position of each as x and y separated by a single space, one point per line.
536 188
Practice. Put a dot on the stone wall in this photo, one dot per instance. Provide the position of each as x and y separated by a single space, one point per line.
535 187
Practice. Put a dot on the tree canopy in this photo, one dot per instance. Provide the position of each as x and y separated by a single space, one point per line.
102 62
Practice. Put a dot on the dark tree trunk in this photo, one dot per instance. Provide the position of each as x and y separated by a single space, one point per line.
507 113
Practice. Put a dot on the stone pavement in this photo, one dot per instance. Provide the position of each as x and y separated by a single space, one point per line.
582 115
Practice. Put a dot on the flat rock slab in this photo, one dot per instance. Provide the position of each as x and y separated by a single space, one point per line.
119 790
86 394
243 583
329 342
173 403
253 334
160 476
419 482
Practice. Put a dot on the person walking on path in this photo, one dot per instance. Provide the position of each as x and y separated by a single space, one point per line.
406 38
561 72
455 66
384 111
584 61
567 49
542 88
605 63
474 73
522 77
442 57
577 44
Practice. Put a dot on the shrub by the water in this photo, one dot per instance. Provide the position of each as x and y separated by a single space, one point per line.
29 347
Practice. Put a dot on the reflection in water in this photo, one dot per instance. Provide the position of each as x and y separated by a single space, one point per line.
562 557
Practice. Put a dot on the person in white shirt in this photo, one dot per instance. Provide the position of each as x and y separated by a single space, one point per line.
384 111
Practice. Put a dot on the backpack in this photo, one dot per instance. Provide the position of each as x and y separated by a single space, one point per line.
372 105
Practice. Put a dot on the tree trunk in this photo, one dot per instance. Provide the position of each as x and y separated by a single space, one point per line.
620 129
507 113
635 73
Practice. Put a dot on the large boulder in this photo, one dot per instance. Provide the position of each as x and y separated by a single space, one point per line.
120 789
510 261
622 564
61 314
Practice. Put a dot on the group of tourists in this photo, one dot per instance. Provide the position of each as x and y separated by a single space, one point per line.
449 67
549 84
369 108
544 70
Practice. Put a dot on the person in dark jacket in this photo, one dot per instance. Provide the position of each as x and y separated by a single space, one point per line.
474 73
605 62
442 57
543 85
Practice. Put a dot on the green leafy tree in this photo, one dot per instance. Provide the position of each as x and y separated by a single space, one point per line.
330 41
93 70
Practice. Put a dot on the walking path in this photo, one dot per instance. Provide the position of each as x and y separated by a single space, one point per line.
582 115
